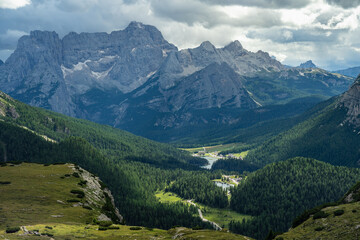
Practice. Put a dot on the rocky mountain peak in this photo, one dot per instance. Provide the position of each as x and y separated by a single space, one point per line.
135 25
234 46
1 62
208 46
308 64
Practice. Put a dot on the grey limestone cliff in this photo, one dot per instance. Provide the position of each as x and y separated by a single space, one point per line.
351 101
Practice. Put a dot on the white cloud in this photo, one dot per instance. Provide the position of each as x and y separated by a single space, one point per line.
14 4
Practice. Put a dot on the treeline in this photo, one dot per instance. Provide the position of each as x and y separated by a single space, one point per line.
279 192
200 188
232 164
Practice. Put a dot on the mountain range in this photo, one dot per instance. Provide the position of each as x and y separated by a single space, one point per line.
135 80
351 72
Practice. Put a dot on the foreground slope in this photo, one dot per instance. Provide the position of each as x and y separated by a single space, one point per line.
40 202
280 191
337 220
35 135
39 194
329 134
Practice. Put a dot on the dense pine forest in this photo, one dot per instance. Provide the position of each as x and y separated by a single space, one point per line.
280 191
321 136
198 187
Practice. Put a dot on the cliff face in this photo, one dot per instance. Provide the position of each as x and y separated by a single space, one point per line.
50 72
351 101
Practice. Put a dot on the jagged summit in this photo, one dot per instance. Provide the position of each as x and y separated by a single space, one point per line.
207 45
234 46
307 64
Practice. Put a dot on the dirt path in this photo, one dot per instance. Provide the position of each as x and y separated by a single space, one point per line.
214 224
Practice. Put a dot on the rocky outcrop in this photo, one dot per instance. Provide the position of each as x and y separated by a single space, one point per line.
307 64
351 101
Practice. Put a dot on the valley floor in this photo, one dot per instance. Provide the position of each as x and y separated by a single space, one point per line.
220 216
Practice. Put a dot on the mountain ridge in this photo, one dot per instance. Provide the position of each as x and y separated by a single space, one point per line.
128 74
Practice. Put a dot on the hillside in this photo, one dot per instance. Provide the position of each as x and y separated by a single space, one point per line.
113 143
64 201
326 134
279 192
39 194
339 220
351 72
36 135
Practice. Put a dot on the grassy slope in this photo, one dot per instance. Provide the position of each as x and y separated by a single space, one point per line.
344 227
32 197
340 221
31 200
66 232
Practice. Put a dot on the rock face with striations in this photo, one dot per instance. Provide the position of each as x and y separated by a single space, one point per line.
351 101
50 72
134 78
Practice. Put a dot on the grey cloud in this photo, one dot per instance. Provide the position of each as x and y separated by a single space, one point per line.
332 18
344 3
191 13
285 35
261 3
9 38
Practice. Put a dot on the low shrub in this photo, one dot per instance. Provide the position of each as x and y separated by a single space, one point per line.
197 228
354 211
320 214
48 227
5 182
87 207
318 229
102 228
135 228
113 228
12 229
82 183
79 193
339 212
104 223
75 174
47 234
73 200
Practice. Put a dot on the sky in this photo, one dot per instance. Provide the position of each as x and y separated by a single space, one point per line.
293 31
